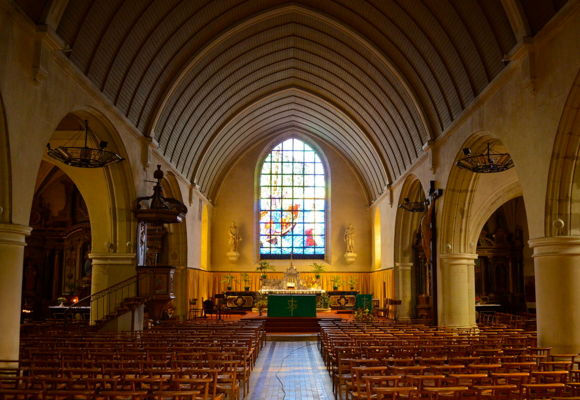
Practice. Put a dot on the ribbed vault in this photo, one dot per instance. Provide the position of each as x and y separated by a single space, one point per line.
376 79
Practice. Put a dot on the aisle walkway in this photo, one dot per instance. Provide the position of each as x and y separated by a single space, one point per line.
290 371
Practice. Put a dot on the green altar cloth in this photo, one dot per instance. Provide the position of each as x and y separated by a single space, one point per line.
364 301
282 305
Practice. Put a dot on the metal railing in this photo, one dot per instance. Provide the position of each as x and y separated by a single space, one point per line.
107 301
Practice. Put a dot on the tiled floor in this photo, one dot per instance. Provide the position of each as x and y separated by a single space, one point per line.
290 371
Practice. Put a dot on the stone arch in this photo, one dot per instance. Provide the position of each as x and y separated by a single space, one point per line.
563 192
466 207
5 169
109 194
406 225
464 211
499 197
407 222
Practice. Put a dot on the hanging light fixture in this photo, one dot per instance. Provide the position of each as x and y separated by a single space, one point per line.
414 206
485 163
84 157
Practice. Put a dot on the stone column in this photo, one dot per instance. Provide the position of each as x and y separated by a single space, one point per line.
457 290
107 270
12 242
403 279
557 272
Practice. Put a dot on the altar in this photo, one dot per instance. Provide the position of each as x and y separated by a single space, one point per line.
280 305
289 284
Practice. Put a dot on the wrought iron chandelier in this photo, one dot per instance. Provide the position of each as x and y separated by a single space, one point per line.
414 206
486 162
84 157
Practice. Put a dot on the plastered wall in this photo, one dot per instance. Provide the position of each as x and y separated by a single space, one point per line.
236 201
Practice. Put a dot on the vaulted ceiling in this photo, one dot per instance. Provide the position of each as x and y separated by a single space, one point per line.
376 79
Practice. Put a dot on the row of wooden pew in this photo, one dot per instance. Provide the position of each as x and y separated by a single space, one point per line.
378 360
193 360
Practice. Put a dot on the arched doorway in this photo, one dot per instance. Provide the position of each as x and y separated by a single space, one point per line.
469 201
108 194
413 281
56 258
504 261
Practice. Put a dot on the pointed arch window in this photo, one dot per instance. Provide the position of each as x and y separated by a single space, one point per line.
292 202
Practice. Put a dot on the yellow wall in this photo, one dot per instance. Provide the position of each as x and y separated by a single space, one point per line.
236 202
382 285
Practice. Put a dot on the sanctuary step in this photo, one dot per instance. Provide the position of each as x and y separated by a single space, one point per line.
294 324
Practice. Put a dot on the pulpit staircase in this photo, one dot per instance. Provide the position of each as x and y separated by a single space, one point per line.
110 303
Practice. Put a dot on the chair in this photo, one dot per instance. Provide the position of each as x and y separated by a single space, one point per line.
395 392
122 395
495 392
445 392
21 394
542 390
70 394
549 376
179 395
358 389
422 381
209 308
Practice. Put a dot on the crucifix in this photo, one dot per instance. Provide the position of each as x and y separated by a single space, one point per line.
429 243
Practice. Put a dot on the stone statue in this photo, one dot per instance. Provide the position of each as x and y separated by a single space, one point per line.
234 238
349 238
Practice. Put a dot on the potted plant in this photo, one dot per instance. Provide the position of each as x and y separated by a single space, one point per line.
261 303
229 280
352 282
246 279
264 266
336 282
323 301
363 315
317 269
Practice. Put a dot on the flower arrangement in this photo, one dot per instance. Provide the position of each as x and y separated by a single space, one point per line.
363 315
261 303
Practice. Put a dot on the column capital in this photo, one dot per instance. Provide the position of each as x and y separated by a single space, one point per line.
459 258
555 246
15 235
112 258
404 265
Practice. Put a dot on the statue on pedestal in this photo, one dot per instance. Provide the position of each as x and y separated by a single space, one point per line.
234 239
349 254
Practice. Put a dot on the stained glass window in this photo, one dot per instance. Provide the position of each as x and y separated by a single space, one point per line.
292 202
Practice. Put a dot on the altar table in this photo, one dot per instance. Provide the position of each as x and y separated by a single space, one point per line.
291 305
